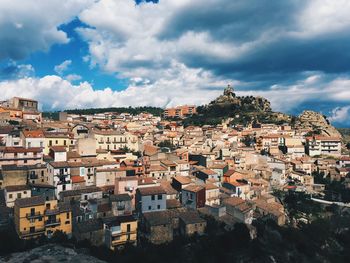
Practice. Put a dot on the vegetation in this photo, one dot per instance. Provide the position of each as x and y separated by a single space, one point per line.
156 111
131 110
167 144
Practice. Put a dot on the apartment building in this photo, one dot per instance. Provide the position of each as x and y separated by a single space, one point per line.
35 138
180 111
115 140
65 139
322 145
20 156
35 216
119 231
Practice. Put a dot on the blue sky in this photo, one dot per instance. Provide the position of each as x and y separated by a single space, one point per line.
101 53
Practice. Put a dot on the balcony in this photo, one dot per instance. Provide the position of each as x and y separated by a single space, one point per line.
120 207
33 215
120 233
52 212
28 234
52 223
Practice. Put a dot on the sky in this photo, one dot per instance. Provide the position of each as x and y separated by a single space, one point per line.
102 53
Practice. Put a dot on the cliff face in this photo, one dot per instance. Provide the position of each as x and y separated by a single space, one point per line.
317 123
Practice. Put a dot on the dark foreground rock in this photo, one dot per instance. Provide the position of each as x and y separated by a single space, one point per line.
51 253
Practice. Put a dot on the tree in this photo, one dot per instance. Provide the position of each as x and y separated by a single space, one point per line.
167 144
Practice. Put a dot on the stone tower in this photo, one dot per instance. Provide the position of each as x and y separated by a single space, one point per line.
229 91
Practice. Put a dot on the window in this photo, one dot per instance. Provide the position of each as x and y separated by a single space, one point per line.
160 197
158 206
10 196
153 197
149 207
128 227
19 195
64 142
67 215
25 161
25 192
56 142
67 222
32 211
50 143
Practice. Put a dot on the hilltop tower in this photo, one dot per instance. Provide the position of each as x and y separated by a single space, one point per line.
229 91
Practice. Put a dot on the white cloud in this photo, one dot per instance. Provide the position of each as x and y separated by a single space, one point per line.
340 114
54 92
31 25
132 39
61 68
73 77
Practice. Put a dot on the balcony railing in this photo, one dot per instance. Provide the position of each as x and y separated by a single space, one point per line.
55 222
121 233
120 207
38 231
33 215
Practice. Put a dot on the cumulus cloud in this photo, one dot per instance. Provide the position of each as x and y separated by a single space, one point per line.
54 92
61 68
227 37
340 115
73 77
31 25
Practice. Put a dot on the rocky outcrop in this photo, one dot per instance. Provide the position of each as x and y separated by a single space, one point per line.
249 103
317 123
51 253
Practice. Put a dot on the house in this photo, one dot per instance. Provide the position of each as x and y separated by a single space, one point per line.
14 192
191 223
193 196
179 182
212 193
20 156
33 138
64 139
121 204
268 208
150 199
35 216
157 227
119 231
239 209
91 230
83 194
60 172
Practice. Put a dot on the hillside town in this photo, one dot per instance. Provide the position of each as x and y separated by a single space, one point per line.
116 179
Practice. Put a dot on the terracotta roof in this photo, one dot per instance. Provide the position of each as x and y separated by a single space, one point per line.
33 134
152 190
15 188
21 150
193 188
183 179
191 217
77 179
31 201
59 148
233 201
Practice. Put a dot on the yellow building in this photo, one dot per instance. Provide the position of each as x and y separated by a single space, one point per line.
64 139
35 216
120 231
